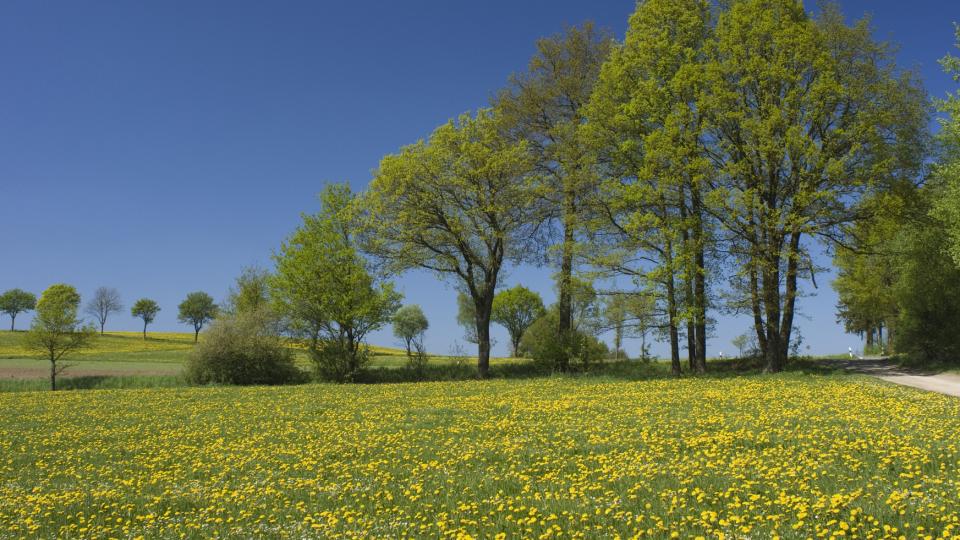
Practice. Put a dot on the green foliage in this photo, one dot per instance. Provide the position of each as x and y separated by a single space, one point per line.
467 317
250 293
56 330
545 106
560 351
197 309
147 310
769 122
242 349
947 207
868 267
326 290
460 204
409 324
928 297
515 309
16 301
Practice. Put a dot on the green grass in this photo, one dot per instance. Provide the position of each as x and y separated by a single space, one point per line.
791 455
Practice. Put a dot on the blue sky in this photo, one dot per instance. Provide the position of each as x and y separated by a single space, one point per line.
160 147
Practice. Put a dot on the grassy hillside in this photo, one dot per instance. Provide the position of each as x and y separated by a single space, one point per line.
749 457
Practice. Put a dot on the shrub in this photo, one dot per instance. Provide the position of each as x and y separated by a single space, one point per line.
543 342
242 349
337 362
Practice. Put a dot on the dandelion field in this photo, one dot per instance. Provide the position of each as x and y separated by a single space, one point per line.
753 457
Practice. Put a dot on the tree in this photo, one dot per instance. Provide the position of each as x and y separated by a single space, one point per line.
740 342
947 207
467 317
545 106
328 291
197 309
56 330
409 324
803 117
867 265
927 294
460 204
643 127
16 301
104 302
761 121
515 309
250 293
147 310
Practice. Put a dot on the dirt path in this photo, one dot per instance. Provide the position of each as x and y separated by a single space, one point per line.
887 370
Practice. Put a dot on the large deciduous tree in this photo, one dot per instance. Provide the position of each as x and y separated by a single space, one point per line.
327 290
56 330
545 107
105 302
197 309
460 204
803 117
763 120
644 127
16 301
947 206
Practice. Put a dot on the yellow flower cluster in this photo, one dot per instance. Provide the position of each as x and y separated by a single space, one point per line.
755 457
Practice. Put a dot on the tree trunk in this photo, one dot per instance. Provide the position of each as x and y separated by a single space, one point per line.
692 354
102 324
674 337
700 282
196 334
484 306
53 375
13 319
771 305
144 330
790 297
758 323
565 300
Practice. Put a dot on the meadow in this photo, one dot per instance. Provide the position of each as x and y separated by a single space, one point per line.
127 360
789 456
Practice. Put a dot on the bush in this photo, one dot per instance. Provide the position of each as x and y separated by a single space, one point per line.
242 349
577 349
334 361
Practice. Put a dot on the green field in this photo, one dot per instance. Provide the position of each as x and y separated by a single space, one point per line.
125 359
794 456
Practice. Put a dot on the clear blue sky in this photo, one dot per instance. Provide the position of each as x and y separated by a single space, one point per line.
159 147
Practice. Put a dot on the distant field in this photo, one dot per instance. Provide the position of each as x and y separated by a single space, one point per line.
126 354
789 456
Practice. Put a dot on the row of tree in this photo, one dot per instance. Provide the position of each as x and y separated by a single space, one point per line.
197 309
695 165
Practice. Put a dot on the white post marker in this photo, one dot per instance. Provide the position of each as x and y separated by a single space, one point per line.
850 350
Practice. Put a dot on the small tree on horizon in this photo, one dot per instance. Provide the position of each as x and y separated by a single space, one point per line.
16 301
409 324
147 310
515 309
197 309
56 330
105 301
